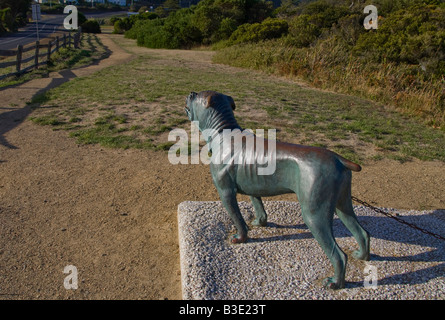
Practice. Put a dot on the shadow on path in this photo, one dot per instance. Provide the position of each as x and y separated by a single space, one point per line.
11 117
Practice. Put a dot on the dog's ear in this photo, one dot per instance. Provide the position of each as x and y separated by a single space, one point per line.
209 100
232 103
213 95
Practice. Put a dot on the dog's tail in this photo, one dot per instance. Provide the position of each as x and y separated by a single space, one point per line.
349 164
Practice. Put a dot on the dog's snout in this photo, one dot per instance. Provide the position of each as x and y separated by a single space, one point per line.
190 97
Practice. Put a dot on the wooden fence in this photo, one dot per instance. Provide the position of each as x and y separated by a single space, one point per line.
41 56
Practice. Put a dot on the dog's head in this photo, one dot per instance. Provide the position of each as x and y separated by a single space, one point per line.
198 106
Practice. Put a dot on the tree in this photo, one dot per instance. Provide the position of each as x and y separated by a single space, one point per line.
18 11
18 7
6 20
167 8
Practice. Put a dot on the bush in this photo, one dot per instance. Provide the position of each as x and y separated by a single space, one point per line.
316 17
226 28
113 20
6 21
414 36
402 64
148 33
81 19
303 31
91 26
208 22
176 31
54 8
121 25
268 29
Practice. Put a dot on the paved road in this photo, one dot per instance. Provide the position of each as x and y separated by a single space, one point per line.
47 26
28 34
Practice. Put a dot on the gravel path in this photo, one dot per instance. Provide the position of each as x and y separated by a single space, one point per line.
283 261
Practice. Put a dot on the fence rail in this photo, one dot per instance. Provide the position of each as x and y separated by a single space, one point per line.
40 51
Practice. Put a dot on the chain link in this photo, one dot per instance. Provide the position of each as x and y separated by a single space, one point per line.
437 236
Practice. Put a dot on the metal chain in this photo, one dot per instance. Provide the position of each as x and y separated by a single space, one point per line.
437 236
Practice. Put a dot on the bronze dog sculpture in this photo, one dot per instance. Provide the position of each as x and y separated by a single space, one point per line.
320 178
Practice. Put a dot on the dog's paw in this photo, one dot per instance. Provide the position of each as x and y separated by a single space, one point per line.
332 284
359 255
259 223
238 239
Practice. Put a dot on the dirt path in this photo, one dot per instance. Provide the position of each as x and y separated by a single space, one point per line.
112 213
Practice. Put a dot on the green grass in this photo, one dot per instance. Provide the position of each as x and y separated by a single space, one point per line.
50 119
136 104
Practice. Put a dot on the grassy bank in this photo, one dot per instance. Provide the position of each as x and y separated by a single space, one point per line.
137 104
328 65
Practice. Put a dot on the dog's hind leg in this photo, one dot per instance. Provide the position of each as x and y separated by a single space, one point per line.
260 213
319 222
345 212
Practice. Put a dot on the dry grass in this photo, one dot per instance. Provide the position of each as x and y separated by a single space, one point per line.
329 66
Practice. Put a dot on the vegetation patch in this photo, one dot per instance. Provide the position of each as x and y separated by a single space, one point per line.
137 104
324 42
401 64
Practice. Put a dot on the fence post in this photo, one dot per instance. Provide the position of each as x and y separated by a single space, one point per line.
49 52
57 44
79 36
78 39
64 40
36 59
69 39
19 57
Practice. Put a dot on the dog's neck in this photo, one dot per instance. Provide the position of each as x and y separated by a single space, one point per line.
217 121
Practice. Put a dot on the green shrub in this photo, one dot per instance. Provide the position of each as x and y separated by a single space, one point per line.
268 29
208 22
91 26
81 19
113 20
303 30
415 35
226 28
121 25
6 21
316 17
329 65
175 31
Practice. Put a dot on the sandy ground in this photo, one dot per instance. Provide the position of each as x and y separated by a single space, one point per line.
113 213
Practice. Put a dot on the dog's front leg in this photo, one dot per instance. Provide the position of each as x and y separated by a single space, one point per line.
228 198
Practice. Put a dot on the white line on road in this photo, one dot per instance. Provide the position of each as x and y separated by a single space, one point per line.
29 35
